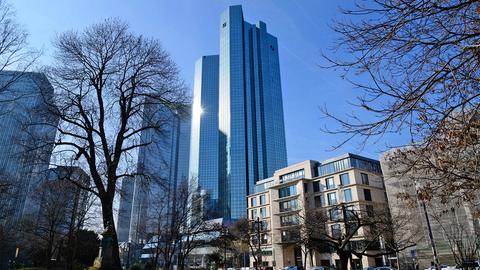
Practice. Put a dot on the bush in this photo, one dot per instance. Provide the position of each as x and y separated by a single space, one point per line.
136 266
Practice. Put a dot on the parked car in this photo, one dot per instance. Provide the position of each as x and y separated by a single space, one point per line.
384 268
290 268
322 268
369 268
472 265
443 267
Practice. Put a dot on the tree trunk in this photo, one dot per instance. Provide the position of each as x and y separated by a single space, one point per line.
310 252
344 256
109 225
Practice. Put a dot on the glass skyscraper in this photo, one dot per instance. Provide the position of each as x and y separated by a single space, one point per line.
27 133
251 135
160 166
25 125
204 140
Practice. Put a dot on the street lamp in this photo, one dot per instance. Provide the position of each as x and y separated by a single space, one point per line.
429 227
258 227
128 254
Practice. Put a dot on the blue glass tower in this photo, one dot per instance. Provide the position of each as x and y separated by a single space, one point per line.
27 133
25 125
251 127
204 140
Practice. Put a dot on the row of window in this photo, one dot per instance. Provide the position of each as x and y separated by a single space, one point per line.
263 213
289 220
262 226
289 205
332 197
330 182
351 229
263 200
287 191
347 163
293 175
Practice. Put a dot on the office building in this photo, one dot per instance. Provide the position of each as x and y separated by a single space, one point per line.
250 132
454 226
59 195
281 201
22 161
204 137
161 165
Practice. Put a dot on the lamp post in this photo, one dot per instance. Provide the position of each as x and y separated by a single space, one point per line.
258 228
429 227
128 254
225 233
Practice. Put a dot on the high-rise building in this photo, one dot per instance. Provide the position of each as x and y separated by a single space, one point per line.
449 228
251 135
160 166
204 140
25 126
63 205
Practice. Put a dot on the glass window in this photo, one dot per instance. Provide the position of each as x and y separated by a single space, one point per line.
367 194
351 228
334 214
347 195
263 212
336 231
335 166
264 239
319 201
344 179
293 175
332 198
305 187
253 201
373 166
290 236
264 225
288 205
253 214
330 183
287 191
289 220
364 178
370 210
263 199
316 186
350 213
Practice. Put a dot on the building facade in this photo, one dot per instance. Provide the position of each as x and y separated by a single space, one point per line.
161 165
454 227
204 136
25 125
59 188
280 203
251 125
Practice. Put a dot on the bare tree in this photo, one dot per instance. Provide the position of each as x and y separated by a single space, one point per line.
460 233
62 213
421 61
104 77
245 237
175 228
346 231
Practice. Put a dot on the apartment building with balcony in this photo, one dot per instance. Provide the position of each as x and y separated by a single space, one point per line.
279 204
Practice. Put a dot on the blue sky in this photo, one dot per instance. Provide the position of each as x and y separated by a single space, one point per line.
190 29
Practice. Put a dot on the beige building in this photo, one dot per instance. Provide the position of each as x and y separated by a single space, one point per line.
451 223
279 203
